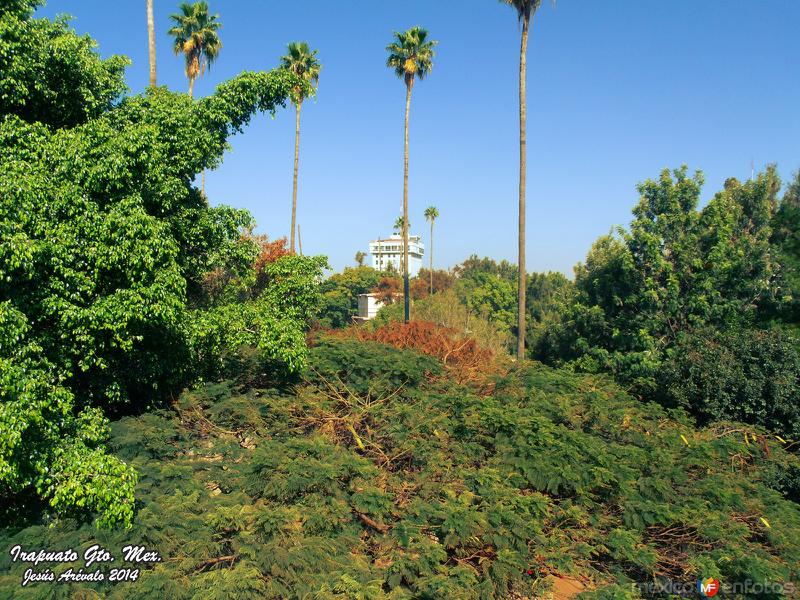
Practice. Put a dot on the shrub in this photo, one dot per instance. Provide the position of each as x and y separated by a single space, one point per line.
434 491
368 368
748 376
446 310
49 448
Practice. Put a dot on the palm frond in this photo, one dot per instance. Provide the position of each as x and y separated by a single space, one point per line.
303 62
196 37
524 8
411 54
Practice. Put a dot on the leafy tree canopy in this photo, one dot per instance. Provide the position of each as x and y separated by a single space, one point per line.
672 306
105 247
49 74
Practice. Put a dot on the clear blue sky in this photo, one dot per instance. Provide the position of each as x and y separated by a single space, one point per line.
617 90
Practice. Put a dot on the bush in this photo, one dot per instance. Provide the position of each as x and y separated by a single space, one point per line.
748 376
368 368
433 490
446 310
49 448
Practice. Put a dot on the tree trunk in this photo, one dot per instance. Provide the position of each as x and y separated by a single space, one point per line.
151 42
299 240
521 289
203 173
406 299
431 256
296 161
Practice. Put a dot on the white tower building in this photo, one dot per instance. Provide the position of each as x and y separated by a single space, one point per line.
389 251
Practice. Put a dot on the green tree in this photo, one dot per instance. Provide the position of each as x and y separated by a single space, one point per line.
678 269
474 265
104 249
733 374
196 37
411 57
340 294
525 11
547 294
786 246
151 42
303 62
431 214
50 75
491 297
360 256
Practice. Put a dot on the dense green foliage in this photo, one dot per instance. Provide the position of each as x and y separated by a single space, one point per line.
340 295
379 477
48 447
106 245
786 245
647 298
49 74
747 375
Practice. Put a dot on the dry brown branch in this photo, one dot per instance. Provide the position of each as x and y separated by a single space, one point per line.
368 521
231 558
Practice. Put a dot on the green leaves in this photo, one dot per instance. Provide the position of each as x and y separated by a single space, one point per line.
453 494
105 251
49 446
677 272
51 75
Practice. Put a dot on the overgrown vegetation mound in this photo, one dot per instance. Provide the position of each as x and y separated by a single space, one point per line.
379 476
452 347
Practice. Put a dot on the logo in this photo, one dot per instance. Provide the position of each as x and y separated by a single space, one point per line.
708 587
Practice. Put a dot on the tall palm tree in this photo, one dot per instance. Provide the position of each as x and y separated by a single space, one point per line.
196 37
398 224
195 33
525 11
411 56
431 214
151 42
301 61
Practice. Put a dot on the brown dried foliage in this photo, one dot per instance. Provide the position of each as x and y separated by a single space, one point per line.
461 355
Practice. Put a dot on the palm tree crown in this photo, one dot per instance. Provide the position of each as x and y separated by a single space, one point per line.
195 33
303 62
411 54
431 214
525 8
398 224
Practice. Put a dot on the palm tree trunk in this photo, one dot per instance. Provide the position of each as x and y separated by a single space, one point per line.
203 174
151 42
406 299
431 256
521 284
296 161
